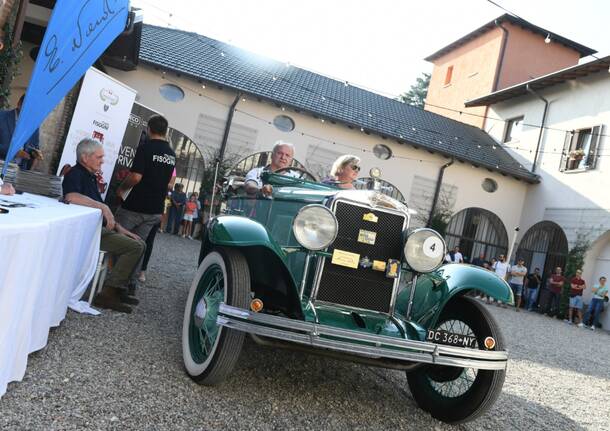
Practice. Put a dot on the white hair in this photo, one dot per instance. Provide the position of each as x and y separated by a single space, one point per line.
343 161
279 144
87 146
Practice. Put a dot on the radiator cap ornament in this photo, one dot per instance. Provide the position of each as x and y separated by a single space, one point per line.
392 268
365 262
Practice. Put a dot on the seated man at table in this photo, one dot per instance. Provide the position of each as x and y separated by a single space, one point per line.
6 188
80 187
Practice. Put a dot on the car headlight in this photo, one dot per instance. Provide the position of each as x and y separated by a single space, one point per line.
315 227
424 250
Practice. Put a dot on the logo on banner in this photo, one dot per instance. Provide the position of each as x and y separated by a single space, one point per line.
109 97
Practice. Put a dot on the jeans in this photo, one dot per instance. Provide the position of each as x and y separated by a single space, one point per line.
595 307
517 289
530 299
552 305
174 220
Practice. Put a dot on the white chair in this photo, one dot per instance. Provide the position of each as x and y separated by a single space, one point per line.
100 275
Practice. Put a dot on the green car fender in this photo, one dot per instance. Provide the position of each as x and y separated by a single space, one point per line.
271 268
436 289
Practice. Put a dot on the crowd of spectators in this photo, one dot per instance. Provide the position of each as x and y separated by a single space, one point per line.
535 292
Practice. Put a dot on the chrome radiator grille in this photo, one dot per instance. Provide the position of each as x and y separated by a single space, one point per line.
362 288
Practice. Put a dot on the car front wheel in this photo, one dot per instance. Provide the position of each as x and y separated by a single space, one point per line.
209 350
452 394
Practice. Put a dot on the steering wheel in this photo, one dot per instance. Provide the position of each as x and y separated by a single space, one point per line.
302 174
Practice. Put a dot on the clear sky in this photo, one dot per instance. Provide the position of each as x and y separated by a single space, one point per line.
376 44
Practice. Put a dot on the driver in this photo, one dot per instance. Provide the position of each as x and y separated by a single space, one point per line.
281 157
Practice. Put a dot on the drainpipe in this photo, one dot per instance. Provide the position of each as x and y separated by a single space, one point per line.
544 113
223 148
500 62
437 190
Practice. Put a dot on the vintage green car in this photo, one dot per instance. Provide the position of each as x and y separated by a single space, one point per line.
339 273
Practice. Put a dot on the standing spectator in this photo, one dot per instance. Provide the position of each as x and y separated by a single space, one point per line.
501 269
533 285
147 182
555 284
518 273
150 242
190 207
577 285
454 256
29 156
479 261
176 210
167 203
600 294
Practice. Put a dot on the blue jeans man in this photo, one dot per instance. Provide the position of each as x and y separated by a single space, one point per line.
595 307
174 220
530 299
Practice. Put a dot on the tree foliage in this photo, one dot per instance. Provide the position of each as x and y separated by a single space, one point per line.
416 96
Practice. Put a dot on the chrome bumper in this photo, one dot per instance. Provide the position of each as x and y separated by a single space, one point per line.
345 340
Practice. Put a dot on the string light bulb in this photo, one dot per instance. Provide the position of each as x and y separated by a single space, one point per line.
222 54
346 83
547 39
274 78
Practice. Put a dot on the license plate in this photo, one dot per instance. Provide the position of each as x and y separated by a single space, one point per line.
451 339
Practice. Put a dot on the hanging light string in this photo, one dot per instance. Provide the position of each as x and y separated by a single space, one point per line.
302 133
323 98
449 140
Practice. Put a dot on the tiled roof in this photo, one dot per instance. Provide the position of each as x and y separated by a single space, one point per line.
555 78
216 62
581 49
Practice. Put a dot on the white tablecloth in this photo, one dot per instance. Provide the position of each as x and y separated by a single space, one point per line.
48 256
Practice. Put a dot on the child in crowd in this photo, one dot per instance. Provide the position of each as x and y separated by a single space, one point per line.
189 212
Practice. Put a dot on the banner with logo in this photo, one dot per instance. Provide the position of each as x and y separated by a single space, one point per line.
135 134
77 35
102 112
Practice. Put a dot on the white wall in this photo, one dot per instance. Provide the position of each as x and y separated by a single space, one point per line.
337 139
578 201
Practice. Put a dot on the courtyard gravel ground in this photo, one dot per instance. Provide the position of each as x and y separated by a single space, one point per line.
125 372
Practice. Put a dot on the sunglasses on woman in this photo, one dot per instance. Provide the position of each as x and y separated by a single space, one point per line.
355 168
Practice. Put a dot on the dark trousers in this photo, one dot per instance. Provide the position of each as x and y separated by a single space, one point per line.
150 241
174 219
552 304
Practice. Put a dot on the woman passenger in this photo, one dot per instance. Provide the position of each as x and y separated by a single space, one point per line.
344 172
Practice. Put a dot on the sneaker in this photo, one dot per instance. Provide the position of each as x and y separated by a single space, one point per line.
593 327
142 277
190 237
581 325
569 322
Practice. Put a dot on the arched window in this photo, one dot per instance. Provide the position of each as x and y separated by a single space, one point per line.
475 231
387 188
190 164
544 246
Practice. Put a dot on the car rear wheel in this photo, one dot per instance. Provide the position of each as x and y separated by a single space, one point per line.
452 394
210 351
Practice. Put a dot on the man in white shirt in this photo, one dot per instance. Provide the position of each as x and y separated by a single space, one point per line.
454 256
518 273
281 157
501 269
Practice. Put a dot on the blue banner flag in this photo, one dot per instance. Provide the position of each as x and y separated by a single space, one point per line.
76 36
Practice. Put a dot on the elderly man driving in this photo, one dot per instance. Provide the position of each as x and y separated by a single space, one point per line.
281 157
80 188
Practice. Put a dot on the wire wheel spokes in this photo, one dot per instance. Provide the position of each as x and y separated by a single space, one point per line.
210 294
464 377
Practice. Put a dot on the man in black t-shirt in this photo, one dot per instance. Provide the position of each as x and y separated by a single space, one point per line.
143 191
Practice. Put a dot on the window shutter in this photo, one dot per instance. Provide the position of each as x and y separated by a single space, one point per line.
596 136
565 154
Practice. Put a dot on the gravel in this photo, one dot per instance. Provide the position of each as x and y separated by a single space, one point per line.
125 372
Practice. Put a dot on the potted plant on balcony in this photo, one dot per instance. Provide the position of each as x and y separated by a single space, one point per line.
577 154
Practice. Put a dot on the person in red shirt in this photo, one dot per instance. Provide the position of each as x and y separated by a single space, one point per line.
577 285
555 284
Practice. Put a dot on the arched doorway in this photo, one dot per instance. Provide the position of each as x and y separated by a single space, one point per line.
475 231
544 246
190 164
387 188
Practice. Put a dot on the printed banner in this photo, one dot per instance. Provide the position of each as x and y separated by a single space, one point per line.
134 136
77 35
102 112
